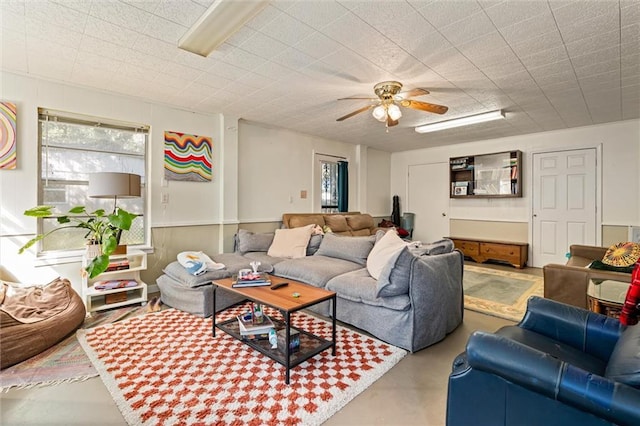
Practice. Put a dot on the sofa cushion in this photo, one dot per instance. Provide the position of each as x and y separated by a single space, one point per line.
316 270
304 220
249 241
337 223
263 258
360 224
233 262
385 250
624 363
354 249
395 276
290 243
179 273
358 286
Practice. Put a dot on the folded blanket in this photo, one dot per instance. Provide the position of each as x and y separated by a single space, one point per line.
197 263
36 303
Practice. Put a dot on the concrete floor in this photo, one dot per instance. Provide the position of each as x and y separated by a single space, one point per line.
413 392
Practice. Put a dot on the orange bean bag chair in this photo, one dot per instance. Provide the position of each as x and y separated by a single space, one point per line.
32 319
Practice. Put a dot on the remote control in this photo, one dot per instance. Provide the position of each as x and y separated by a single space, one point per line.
278 285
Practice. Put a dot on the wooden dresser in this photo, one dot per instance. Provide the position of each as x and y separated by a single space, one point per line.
482 250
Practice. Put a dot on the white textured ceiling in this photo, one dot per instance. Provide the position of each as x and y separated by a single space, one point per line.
549 64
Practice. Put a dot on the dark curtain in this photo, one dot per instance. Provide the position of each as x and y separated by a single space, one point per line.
343 186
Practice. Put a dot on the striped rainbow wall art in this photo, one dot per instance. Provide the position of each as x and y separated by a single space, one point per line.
187 157
8 140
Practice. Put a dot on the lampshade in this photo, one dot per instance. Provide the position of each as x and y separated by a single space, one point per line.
394 112
114 185
379 113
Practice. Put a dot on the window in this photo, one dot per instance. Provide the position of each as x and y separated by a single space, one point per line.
329 186
71 147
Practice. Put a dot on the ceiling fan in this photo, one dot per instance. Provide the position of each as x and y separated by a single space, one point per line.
390 99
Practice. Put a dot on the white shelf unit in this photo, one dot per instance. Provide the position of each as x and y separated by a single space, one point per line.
95 300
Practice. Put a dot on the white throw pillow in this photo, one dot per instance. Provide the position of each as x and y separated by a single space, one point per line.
291 243
384 251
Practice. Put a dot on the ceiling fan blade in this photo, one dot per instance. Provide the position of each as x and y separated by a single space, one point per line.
358 111
391 123
424 106
418 91
369 99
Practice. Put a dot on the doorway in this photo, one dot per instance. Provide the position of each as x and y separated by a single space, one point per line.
564 203
428 198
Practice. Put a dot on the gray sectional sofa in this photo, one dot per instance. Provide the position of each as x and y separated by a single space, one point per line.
416 301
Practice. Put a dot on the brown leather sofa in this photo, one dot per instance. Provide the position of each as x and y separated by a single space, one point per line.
349 223
568 283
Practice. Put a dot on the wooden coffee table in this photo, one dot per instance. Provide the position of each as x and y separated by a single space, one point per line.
282 299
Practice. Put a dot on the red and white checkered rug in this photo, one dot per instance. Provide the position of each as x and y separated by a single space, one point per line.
165 368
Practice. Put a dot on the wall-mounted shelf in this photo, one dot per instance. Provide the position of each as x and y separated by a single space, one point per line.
497 175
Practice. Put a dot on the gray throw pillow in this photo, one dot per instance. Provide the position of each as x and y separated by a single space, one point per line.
249 241
314 244
354 249
624 363
394 278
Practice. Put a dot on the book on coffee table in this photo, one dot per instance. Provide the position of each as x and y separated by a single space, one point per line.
247 327
251 280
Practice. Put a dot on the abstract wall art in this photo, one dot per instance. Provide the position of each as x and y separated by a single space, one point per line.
8 139
187 157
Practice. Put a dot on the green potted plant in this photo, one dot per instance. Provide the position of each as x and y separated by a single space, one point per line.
103 229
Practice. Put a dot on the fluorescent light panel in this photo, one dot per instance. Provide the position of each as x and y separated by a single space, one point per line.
458 122
221 20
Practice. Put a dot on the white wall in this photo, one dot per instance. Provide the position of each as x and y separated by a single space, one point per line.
189 202
378 183
620 143
275 164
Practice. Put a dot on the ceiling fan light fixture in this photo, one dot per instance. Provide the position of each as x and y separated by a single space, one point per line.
380 113
219 22
463 121
394 112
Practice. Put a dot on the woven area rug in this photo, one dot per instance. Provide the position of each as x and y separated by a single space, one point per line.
166 368
499 293
63 363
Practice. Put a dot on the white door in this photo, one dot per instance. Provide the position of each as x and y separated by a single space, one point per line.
428 198
564 203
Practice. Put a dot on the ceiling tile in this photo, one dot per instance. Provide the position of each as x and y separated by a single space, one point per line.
120 14
106 31
474 26
555 55
286 29
572 30
443 13
530 46
183 12
569 13
154 47
55 14
317 14
317 45
264 46
45 31
506 13
529 29
608 40
163 29
12 21
146 5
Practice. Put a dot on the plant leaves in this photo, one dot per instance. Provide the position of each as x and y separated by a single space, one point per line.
77 210
98 265
39 211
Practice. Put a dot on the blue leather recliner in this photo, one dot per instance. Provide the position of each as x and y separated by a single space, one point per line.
561 365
